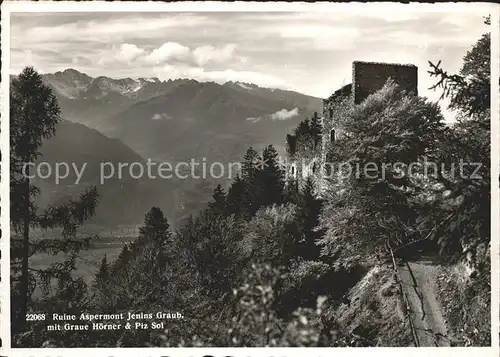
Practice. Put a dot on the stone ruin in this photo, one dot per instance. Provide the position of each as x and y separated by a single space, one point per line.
367 78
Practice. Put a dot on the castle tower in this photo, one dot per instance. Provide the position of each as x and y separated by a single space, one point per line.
367 78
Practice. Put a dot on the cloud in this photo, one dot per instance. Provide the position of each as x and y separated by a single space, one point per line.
115 56
167 51
315 31
177 52
128 52
284 114
101 27
205 54
161 116
309 51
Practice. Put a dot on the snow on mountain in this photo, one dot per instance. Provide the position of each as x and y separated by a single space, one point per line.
243 85
149 79
93 101
73 84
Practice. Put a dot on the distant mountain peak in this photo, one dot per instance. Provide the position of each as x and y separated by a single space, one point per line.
149 79
244 85
248 84
70 71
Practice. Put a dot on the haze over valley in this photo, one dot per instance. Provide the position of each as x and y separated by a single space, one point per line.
132 120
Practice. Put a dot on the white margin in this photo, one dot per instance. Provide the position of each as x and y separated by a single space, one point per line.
495 174
98 6
240 6
5 185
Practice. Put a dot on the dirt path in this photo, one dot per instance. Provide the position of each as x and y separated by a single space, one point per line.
419 283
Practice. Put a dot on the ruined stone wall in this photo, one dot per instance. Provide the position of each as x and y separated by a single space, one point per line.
301 161
369 77
307 160
335 111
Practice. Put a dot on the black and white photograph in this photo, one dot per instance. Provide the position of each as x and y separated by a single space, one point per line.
249 177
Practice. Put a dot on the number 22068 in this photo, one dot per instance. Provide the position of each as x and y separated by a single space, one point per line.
35 317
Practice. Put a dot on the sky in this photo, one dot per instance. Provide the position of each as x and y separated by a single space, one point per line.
310 52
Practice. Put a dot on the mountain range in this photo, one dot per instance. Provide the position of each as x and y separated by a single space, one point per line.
176 120
182 118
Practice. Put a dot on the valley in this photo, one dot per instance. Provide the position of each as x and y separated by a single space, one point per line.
131 120
125 121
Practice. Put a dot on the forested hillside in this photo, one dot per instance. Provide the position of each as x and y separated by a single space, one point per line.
271 263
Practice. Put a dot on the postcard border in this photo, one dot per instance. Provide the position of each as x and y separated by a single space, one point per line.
49 6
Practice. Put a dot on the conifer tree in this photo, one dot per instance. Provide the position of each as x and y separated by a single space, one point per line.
144 273
271 178
104 268
122 266
155 234
291 191
308 133
251 167
251 161
303 129
308 213
467 224
218 203
102 276
235 197
316 128
122 260
156 227
34 114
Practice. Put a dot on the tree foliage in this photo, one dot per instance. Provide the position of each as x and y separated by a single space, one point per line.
387 135
34 114
466 224
269 262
